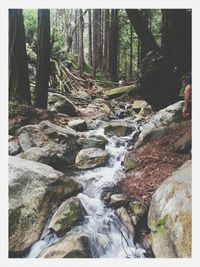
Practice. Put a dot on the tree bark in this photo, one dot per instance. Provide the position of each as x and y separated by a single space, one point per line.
95 42
114 39
90 36
43 58
80 52
18 65
106 42
176 37
99 40
131 54
147 39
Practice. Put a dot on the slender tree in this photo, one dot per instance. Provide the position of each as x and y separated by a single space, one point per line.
95 42
80 51
99 39
43 58
18 66
90 36
114 40
106 42
131 54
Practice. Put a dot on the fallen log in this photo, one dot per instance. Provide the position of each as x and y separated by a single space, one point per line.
121 90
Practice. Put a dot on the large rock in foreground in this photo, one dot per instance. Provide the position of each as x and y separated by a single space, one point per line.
69 214
34 190
91 157
57 142
71 246
170 216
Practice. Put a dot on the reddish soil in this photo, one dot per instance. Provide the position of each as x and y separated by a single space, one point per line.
155 161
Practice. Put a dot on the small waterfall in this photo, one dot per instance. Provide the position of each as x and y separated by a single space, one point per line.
109 238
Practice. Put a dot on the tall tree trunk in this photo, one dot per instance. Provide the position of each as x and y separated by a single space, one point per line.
75 44
90 36
176 37
95 42
147 40
114 39
106 42
43 58
143 46
99 42
18 66
80 51
131 54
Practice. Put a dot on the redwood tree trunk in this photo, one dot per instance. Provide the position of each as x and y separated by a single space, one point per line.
80 50
18 66
90 36
114 39
176 37
141 28
43 58
131 54
95 42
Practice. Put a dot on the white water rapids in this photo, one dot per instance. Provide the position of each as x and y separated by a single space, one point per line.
109 238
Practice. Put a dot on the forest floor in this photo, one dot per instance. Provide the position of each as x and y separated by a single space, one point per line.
155 161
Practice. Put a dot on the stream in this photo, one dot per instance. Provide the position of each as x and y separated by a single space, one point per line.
109 238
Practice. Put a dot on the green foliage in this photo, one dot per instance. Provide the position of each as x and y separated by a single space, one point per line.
32 56
160 227
30 23
17 108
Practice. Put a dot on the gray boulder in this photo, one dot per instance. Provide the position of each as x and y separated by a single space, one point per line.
118 200
138 105
61 104
91 157
69 214
126 220
118 129
78 125
71 246
13 148
40 154
169 217
183 144
89 142
34 190
162 118
62 142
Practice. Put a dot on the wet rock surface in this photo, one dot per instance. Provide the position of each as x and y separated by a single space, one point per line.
34 190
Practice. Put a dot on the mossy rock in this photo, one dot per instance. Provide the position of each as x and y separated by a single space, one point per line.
18 108
129 165
69 214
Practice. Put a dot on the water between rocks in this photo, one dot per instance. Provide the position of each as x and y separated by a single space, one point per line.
109 238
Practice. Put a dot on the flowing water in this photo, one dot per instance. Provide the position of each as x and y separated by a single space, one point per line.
109 238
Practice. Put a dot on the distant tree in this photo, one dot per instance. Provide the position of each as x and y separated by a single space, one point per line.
95 42
80 51
18 66
114 41
90 36
43 58
106 41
